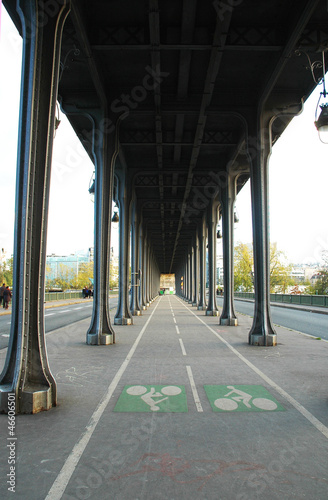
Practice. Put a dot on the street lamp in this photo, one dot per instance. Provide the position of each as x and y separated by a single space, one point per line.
322 122
115 217
92 187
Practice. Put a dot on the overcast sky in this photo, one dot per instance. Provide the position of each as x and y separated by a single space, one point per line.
298 177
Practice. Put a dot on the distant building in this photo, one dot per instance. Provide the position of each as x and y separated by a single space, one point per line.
303 273
56 263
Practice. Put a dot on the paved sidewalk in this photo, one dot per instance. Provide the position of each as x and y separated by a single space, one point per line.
179 408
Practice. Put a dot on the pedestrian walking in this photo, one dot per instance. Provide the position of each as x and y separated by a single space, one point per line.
6 297
2 289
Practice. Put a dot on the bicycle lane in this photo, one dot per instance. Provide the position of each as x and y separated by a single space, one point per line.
177 440
291 377
165 447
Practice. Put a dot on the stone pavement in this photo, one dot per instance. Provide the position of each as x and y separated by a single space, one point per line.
179 408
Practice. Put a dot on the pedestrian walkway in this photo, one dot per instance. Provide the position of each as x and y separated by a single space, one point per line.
179 408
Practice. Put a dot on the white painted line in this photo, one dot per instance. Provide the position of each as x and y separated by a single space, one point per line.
311 418
77 308
177 329
57 489
194 390
182 348
49 314
8 322
174 320
5 335
65 311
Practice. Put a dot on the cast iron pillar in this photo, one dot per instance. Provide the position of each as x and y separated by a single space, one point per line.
149 300
148 276
184 281
100 331
259 149
185 278
26 375
189 271
194 270
142 268
123 315
212 211
228 196
202 266
146 273
135 230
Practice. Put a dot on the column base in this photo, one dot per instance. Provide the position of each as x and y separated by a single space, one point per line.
33 399
144 308
103 339
212 313
137 312
201 308
228 321
263 340
123 321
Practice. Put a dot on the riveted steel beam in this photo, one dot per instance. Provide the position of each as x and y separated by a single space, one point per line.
26 373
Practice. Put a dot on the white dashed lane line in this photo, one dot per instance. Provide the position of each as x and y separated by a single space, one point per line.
182 348
194 390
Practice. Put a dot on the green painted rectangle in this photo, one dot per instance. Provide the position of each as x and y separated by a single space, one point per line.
152 398
233 398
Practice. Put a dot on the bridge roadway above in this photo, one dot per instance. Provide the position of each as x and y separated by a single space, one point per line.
180 407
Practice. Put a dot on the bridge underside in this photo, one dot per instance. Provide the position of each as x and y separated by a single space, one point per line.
178 105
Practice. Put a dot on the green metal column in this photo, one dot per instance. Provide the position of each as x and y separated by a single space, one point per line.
212 211
100 331
228 196
26 372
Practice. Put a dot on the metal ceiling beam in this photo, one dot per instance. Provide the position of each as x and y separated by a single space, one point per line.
188 47
81 34
301 20
219 39
154 29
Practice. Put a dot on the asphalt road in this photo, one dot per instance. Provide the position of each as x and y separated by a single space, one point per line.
55 317
302 321
58 317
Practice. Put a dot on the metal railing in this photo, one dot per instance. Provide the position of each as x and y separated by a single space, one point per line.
306 300
49 296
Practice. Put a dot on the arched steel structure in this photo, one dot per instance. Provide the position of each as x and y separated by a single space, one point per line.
181 101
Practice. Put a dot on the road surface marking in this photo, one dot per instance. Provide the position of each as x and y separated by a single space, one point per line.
300 408
57 489
182 348
194 390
